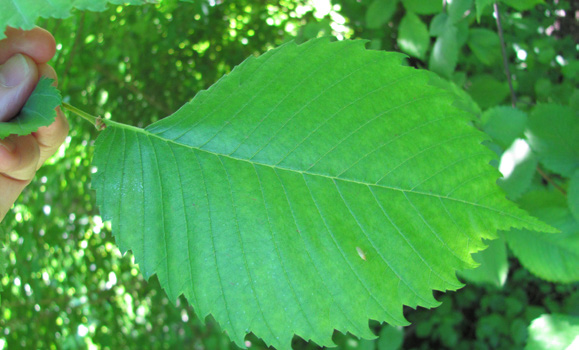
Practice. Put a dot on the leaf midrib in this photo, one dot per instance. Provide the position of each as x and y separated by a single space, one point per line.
111 123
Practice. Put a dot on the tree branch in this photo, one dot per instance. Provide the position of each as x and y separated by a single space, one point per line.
549 180
504 53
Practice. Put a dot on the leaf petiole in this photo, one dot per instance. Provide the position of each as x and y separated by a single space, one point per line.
91 119
99 123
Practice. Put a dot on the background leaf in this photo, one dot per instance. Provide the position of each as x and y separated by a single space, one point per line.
552 134
504 124
553 257
485 44
38 111
487 91
444 54
380 12
519 167
457 9
298 194
391 338
494 266
481 6
423 7
554 331
413 37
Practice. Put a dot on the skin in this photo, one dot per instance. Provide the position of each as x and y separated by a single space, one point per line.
22 156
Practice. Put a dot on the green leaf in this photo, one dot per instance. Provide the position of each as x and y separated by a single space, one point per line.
438 24
552 134
494 266
423 7
380 12
24 13
413 37
38 111
553 332
458 8
391 338
553 257
573 195
299 195
522 5
487 91
463 100
444 55
504 124
485 44
518 166
481 6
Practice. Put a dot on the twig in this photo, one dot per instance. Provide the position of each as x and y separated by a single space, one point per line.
549 180
504 53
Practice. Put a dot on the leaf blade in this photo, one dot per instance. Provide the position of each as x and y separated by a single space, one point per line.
283 205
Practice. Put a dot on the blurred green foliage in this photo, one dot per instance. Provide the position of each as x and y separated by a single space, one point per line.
66 285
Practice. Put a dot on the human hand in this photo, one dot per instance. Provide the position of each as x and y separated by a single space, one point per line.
23 57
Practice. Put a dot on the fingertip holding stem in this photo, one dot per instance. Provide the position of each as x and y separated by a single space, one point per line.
18 77
7 144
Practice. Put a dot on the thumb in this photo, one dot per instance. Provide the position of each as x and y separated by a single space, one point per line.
18 77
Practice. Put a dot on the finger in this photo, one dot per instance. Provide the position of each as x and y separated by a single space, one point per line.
18 77
11 189
50 137
45 70
36 43
19 157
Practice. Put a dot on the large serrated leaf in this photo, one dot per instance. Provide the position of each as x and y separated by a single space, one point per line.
37 112
314 188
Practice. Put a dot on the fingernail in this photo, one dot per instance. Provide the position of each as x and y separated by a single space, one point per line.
14 71
7 144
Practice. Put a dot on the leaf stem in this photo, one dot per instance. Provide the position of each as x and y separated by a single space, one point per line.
90 118
504 53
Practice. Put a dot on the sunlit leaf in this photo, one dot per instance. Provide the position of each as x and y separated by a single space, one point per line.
413 37
494 265
444 54
38 111
553 331
314 188
24 13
